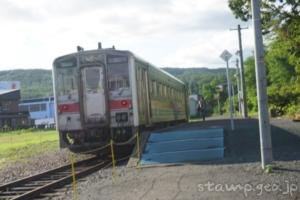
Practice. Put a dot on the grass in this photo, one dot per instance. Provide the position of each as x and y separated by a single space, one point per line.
22 144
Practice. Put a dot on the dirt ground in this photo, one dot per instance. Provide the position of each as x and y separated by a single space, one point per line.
35 165
237 176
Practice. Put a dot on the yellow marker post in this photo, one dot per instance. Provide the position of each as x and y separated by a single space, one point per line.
75 197
138 149
113 158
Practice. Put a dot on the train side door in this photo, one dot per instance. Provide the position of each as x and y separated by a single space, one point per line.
93 95
143 95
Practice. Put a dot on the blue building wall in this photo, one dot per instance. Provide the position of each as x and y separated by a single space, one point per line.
39 108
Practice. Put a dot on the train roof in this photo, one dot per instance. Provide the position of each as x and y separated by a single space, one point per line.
118 52
159 69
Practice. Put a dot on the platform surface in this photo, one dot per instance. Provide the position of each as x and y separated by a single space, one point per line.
240 167
183 146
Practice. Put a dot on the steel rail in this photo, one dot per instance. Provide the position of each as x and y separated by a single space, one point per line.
36 185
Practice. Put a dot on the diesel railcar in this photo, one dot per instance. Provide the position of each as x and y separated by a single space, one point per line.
108 94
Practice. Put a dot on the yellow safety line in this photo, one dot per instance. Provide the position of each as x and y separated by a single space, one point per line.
113 159
75 197
138 149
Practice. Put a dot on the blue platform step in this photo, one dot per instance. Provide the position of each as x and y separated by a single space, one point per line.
184 146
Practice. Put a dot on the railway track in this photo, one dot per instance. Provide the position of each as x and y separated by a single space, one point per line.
40 185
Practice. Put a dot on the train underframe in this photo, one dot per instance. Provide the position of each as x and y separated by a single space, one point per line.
86 141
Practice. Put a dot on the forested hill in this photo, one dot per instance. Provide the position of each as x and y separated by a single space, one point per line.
179 72
38 82
34 82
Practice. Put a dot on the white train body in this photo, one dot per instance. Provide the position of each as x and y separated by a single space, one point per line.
106 93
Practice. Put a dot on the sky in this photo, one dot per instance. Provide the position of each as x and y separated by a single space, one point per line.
167 33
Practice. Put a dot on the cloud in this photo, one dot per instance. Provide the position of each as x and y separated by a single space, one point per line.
11 11
204 52
165 32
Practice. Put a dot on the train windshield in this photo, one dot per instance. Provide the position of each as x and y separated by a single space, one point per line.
118 75
66 83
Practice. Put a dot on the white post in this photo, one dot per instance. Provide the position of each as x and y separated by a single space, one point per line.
261 85
229 96
233 109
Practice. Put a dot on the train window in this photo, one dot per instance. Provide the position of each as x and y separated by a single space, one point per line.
35 108
154 88
118 82
43 107
66 80
150 88
112 85
24 108
118 75
92 78
166 91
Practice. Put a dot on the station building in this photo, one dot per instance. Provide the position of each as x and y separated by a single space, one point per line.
41 110
10 115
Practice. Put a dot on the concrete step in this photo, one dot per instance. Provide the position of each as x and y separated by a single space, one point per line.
185 134
184 145
191 156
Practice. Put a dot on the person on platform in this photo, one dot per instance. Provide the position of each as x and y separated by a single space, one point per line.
201 107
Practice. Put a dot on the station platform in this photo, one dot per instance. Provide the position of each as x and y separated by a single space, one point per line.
180 146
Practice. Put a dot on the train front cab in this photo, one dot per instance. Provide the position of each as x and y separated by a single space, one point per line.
80 91
93 98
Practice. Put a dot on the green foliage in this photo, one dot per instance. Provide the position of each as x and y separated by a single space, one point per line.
250 82
281 23
34 82
21 144
268 169
204 81
276 14
283 94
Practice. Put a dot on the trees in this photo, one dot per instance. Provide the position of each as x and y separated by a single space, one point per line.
276 14
281 27
281 23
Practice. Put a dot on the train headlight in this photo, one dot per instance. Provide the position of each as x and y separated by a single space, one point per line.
124 103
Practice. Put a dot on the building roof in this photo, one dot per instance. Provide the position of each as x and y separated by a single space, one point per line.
10 94
6 91
36 100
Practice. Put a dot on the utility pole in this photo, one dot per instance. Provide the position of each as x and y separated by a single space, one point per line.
238 84
243 86
261 85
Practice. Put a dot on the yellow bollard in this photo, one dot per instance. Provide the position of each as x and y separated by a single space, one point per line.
75 197
138 149
113 159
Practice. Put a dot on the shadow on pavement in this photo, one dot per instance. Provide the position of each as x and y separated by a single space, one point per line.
243 144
